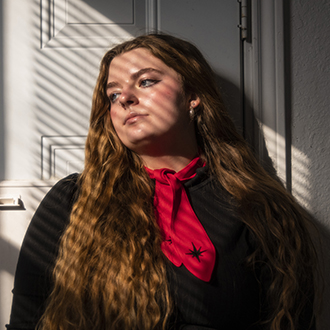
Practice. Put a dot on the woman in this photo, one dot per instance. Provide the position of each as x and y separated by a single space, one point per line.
173 224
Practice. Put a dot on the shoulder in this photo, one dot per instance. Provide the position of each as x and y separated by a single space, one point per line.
41 241
33 278
64 190
53 214
55 208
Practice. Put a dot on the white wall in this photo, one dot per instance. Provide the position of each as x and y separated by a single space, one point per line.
310 95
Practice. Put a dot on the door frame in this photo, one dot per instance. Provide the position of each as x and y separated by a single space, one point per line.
266 83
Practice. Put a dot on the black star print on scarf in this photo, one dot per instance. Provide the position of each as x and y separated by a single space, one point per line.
196 253
169 240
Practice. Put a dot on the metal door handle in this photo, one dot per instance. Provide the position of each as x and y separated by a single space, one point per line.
10 202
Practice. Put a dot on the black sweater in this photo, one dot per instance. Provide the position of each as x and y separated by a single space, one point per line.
232 300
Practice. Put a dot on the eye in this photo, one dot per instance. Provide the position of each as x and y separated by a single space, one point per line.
148 82
113 97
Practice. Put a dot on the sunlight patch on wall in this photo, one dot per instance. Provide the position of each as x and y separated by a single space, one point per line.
275 144
300 165
301 176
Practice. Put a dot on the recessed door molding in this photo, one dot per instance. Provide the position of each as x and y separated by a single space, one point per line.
266 120
90 23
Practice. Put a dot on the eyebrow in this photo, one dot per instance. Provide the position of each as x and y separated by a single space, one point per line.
134 76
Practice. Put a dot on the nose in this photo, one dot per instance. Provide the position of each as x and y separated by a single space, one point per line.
128 97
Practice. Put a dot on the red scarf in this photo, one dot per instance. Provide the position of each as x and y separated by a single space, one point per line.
185 240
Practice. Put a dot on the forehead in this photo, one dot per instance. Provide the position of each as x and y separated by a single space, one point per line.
134 60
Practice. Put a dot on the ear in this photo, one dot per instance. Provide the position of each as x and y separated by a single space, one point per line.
194 101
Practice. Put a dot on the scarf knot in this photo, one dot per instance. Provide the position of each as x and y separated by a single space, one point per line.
185 240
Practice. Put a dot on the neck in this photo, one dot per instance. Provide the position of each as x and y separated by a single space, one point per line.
174 159
175 163
173 152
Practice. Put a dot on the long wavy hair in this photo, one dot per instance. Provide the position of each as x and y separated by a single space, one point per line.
110 272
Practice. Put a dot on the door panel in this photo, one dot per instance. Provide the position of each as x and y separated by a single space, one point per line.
51 53
212 27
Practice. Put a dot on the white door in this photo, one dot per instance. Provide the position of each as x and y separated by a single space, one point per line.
50 52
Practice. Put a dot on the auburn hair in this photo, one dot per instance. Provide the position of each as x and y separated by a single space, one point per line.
110 272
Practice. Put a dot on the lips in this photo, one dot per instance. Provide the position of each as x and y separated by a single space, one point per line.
132 117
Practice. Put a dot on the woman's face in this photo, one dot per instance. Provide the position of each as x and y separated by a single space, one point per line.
148 108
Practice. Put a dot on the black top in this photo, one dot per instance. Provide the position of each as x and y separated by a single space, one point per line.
230 301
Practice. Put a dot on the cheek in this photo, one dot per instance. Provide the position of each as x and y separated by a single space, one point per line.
114 118
115 123
169 98
174 94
